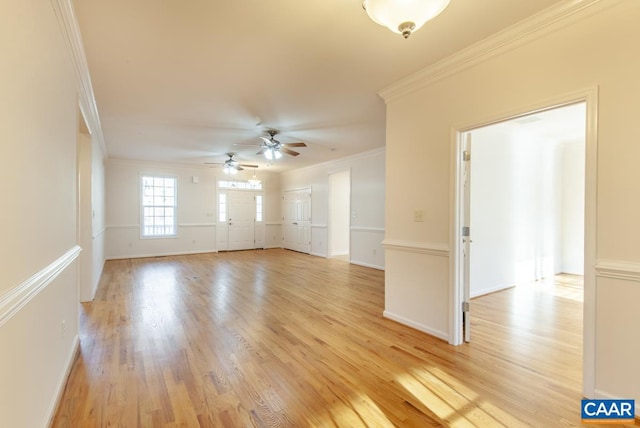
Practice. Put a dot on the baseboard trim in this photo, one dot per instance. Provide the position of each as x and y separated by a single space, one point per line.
144 256
15 299
421 327
604 395
62 382
491 290
369 265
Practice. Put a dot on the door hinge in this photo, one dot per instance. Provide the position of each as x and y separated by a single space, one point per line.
466 156
465 306
465 231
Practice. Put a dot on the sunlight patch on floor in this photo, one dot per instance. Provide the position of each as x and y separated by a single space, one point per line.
451 401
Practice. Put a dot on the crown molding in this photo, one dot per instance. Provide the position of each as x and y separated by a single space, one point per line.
73 39
368 153
560 15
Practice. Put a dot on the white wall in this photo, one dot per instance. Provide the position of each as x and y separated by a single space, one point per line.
573 207
98 225
38 271
493 248
527 207
367 204
339 213
196 215
594 47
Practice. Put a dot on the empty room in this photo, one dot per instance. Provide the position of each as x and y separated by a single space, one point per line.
232 214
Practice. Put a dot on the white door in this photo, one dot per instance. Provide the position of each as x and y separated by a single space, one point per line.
236 220
466 237
296 221
241 220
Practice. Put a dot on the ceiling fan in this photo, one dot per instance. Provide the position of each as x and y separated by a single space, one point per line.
272 149
231 166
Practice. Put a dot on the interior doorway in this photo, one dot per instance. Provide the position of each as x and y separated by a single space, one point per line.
339 218
460 278
527 199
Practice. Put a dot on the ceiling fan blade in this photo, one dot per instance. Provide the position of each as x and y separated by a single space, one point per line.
239 168
266 140
214 163
262 150
298 144
247 165
288 151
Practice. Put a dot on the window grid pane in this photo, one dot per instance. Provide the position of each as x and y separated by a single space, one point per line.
158 206
222 207
245 185
259 208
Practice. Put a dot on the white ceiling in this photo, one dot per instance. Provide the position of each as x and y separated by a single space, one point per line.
188 80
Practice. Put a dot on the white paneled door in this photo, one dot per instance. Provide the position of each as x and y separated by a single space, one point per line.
236 222
241 220
296 220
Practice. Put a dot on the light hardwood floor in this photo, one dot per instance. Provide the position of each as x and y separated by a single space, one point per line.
277 338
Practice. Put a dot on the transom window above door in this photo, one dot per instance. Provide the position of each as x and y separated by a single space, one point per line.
237 184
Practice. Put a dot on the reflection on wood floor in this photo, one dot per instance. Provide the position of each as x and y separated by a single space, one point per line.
278 338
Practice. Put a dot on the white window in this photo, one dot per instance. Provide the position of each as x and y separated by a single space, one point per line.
244 185
158 206
258 207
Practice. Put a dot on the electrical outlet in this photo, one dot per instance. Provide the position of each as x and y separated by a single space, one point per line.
418 215
374 251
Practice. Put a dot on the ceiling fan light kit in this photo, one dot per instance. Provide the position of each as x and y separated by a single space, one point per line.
232 166
272 149
272 153
403 16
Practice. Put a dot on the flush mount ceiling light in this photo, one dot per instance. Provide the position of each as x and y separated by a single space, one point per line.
403 16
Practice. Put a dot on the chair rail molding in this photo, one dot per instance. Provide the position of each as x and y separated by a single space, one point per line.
15 299
439 250
618 269
366 229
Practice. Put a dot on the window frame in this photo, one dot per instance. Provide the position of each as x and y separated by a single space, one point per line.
143 206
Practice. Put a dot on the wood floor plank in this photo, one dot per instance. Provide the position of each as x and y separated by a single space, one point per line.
281 339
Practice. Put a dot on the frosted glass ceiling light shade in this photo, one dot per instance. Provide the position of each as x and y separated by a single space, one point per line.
229 170
268 154
272 153
403 16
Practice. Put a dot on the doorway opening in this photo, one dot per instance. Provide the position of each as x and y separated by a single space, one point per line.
527 199
536 239
339 218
